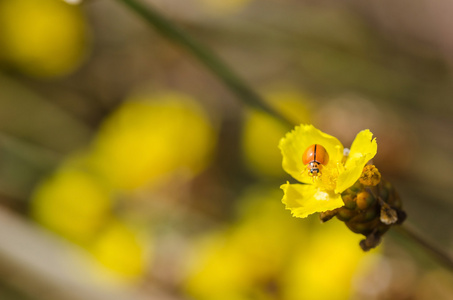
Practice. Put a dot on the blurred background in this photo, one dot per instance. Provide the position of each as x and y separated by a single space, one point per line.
129 171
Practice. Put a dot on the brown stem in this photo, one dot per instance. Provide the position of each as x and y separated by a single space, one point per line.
440 255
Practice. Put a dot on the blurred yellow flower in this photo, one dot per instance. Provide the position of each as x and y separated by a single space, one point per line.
44 38
77 204
323 193
262 131
151 136
72 203
120 249
242 260
325 265
260 135
266 255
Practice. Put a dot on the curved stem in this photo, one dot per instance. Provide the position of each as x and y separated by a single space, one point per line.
210 60
441 256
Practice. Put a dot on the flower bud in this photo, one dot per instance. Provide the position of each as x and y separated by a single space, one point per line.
364 200
370 176
371 207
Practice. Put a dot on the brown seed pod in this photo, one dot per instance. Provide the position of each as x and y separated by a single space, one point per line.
369 209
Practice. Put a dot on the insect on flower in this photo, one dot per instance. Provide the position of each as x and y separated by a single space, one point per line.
348 189
314 157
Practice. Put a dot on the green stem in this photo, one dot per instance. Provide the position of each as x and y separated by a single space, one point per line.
210 60
441 256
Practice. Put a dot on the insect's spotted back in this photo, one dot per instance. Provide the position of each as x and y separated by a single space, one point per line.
314 157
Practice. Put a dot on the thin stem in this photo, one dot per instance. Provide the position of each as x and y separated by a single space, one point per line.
208 58
390 214
441 256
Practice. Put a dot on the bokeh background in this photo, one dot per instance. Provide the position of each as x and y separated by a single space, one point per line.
129 171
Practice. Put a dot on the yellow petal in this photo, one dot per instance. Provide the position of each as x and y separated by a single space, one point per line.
351 174
364 144
297 141
363 149
305 199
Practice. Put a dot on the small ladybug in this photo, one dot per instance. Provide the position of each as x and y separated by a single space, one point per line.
315 157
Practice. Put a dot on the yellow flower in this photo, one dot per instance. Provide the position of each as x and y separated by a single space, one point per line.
150 137
242 260
326 264
121 249
73 203
262 131
322 193
257 257
44 39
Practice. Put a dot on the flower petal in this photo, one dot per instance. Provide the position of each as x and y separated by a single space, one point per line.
305 199
363 149
364 144
297 141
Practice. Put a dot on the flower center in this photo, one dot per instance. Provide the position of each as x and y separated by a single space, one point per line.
328 180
